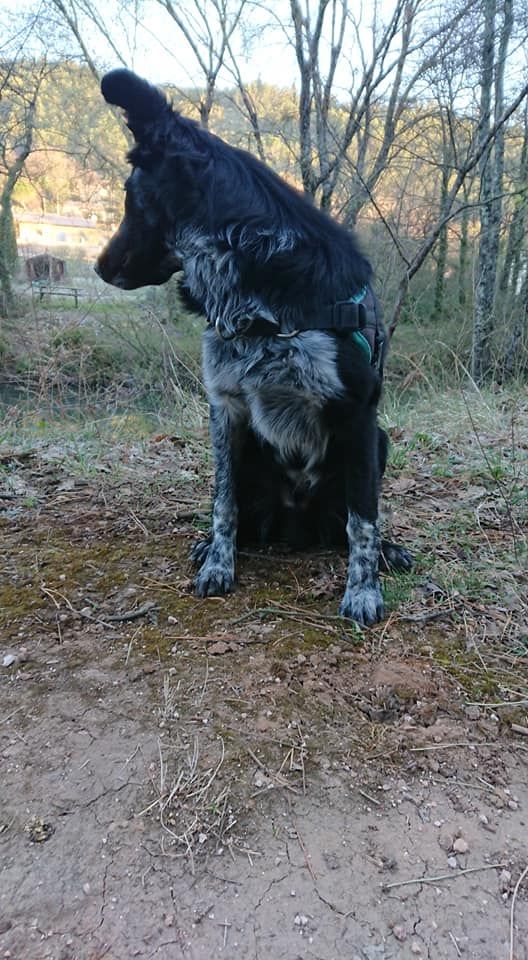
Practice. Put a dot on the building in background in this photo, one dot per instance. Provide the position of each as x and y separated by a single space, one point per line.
68 236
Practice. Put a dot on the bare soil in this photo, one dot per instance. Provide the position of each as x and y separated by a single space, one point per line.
251 777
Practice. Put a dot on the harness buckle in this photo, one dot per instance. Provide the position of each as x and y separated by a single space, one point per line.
347 315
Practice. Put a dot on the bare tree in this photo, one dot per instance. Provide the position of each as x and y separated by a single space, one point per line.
513 255
514 278
491 182
85 18
450 207
21 79
383 79
208 27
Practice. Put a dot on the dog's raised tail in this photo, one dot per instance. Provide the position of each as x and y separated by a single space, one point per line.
141 101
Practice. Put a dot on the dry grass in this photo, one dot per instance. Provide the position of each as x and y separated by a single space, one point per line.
194 802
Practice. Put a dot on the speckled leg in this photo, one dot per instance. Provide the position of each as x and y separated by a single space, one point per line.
216 575
362 600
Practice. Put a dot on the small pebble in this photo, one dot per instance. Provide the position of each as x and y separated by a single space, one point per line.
8 660
460 845
415 947
452 863
513 805
399 932
300 920
445 840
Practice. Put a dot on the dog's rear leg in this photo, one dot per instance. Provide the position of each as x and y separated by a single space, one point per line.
217 573
392 556
362 600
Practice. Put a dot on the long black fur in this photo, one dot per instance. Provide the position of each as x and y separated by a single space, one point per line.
298 452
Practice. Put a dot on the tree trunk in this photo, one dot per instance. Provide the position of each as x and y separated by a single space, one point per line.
8 250
486 271
442 245
7 228
509 281
518 336
7 259
463 252
491 181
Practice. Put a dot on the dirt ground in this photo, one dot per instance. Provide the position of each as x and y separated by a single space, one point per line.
251 777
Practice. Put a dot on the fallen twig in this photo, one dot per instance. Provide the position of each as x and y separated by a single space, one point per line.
496 706
10 715
332 623
455 944
306 855
369 798
131 614
425 617
517 728
451 746
78 613
442 876
279 780
512 910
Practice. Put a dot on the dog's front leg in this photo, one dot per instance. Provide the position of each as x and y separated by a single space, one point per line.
362 600
217 573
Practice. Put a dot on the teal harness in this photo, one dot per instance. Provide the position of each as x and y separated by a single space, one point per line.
357 335
360 316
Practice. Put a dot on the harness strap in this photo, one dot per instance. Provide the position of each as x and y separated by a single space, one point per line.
342 316
360 315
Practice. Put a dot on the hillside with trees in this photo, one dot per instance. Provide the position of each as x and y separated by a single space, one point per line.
412 127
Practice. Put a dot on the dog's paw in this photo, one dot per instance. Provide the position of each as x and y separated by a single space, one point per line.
199 551
214 580
394 557
362 603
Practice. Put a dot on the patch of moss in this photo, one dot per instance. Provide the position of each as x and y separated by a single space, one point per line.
479 682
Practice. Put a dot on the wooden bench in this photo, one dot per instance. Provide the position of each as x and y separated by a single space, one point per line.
46 289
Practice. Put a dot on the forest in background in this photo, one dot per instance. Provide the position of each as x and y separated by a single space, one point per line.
411 126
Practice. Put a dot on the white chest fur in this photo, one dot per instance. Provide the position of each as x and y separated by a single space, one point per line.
278 386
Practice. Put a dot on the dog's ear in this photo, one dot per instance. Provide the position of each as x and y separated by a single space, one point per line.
142 103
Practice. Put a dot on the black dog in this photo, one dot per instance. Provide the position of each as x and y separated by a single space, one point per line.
293 353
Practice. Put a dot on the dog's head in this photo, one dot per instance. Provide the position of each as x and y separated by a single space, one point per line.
139 252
